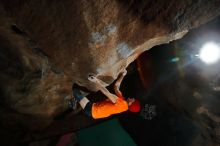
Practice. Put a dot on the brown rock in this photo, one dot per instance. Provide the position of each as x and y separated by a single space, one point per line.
46 46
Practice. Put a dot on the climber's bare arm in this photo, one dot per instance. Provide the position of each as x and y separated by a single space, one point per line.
118 82
102 88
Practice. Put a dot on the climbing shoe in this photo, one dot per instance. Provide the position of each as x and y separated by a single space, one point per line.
72 103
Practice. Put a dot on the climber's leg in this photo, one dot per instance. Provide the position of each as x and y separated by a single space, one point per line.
83 101
77 96
88 108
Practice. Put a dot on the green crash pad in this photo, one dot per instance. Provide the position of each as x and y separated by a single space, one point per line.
108 133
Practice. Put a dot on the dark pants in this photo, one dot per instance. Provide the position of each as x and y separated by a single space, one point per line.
88 109
77 94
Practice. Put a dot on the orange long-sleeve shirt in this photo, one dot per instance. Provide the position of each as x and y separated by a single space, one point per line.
106 108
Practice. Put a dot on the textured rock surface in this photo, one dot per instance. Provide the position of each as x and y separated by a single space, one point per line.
46 46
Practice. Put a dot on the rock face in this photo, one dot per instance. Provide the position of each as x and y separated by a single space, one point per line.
46 46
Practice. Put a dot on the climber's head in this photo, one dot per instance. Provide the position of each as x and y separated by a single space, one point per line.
133 105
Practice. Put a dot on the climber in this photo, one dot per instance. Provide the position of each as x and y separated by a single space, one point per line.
113 105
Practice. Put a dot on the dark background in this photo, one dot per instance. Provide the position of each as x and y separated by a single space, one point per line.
175 123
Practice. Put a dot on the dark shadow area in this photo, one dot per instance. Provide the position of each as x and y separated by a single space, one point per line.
182 84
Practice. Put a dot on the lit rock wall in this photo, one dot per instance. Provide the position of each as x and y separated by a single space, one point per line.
46 46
